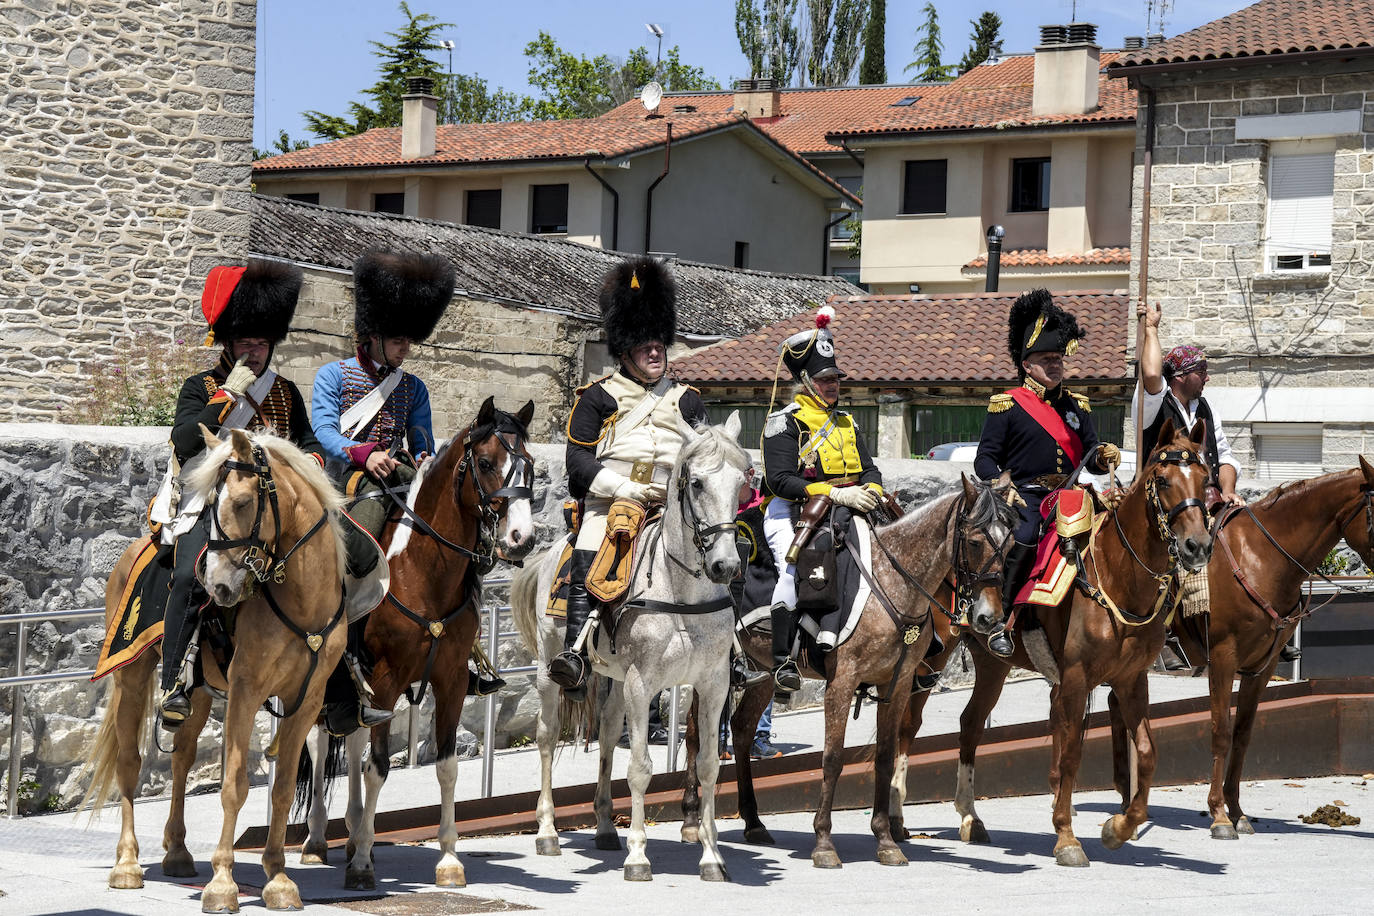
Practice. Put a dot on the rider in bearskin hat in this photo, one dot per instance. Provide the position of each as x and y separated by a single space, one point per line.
623 433
1039 432
249 310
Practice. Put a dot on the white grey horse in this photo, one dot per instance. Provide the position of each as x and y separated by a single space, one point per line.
668 635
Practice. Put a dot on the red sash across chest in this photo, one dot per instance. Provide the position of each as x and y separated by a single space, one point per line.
1051 422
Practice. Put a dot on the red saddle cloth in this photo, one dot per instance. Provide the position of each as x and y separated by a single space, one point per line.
1052 576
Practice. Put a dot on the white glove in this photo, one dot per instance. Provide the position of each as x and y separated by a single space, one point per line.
240 377
642 493
861 499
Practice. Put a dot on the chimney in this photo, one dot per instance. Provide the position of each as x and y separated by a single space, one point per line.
1133 42
419 116
1066 69
758 98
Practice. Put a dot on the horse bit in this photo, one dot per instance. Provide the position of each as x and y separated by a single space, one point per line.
703 535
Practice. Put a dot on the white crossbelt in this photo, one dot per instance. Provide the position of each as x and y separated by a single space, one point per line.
361 413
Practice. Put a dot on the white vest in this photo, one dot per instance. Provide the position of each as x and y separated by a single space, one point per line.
645 428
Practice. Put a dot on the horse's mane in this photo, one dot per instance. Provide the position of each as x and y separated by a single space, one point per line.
989 507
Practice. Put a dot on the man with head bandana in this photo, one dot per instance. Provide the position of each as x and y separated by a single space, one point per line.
1039 432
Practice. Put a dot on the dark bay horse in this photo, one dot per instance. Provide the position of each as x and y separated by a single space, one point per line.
1107 632
1255 586
269 498
968 528
472 498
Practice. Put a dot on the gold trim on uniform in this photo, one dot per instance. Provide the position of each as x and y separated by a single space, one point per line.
1036 388
1081 400
1000 402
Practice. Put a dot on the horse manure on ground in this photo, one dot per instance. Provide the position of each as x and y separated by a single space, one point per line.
1331 816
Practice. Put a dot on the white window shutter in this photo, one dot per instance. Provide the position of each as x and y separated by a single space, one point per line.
1300 206
1288 451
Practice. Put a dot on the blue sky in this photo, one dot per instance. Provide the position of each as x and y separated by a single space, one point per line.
314 54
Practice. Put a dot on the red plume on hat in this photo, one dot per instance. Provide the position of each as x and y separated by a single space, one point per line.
254 301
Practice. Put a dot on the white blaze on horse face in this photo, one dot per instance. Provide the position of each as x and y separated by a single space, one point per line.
517 528
223 579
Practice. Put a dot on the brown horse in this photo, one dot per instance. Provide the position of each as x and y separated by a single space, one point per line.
1255 586
968 528
277 516
470 500
1159 525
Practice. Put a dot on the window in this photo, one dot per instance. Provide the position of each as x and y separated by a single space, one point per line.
484 208
905 101
751 420
923 185
389 203
1030 185
851 274
304 198
844 231
1287 451
1298 230
741 254
936 424
548 208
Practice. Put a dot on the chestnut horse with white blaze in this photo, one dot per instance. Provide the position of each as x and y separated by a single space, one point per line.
268 497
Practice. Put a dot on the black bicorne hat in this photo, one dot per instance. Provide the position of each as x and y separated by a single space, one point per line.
812 352
400 293
1037 325
638 304
254 301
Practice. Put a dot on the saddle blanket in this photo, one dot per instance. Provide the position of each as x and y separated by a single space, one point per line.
1052 575
138 622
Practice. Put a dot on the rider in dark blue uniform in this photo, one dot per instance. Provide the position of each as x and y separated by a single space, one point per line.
1038 431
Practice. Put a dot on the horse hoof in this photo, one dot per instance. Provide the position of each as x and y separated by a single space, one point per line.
281 893
974 832
826 858
547 846
219 901
315 854
758 835
639 871
178 864
126 877
611 842
360 880
713 872
891 857
1244 826
450 876
1071 856
1224 832
1112 831
691 834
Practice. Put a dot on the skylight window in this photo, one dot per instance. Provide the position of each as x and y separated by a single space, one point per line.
906 102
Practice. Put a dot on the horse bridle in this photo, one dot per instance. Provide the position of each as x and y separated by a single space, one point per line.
966 581
703 535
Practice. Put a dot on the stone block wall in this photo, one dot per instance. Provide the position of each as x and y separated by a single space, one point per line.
1285 329
125 147
480 349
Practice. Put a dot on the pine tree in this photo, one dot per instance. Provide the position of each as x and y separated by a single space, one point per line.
833 44
928 49
874 68
986 41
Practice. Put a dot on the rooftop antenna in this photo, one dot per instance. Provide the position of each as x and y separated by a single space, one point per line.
656 30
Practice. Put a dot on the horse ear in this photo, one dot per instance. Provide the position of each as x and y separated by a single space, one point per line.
1368 470
243 448
487 413
686 429
1199 433
211 440
732 425
1166 434
526 414
970 490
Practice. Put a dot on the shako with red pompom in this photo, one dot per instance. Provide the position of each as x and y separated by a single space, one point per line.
810 354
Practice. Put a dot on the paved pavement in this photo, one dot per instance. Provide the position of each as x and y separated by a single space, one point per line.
55 864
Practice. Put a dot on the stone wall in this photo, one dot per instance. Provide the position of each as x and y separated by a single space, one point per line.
480 348
125 149
1263 330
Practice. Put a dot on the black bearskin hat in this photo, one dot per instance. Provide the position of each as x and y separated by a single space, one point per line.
400 293
638 304
1037 325
254 301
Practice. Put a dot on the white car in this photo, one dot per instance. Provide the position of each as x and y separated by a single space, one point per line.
954 451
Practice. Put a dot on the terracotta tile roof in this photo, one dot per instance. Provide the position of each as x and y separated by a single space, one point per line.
522 269
956 337
807 114
1039 257
995 97
1262 30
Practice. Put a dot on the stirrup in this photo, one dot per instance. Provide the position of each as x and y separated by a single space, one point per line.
1289 653
569 671
371 716
742 676
175 706
1000 642
479 686
786 677
926 682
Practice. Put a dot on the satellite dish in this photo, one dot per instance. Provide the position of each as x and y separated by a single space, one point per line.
651 95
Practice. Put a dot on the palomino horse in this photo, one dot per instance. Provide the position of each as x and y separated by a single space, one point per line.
1108 630
966 530
675 629
1255 586
276 515
472 498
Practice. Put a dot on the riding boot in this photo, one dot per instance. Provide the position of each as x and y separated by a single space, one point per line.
741 675
1289 652
1020 559
786 676
568 669
185 599
478 666
345 709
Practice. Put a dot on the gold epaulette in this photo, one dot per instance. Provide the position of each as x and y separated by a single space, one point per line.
999 402
1081 400
595 381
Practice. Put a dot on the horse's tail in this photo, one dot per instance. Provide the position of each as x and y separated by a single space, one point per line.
334 765
581 718
524 599
103 764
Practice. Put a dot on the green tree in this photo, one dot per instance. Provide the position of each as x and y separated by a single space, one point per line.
283 144
928 49
832 50
466 99
749 30
769 37
873 70
986 41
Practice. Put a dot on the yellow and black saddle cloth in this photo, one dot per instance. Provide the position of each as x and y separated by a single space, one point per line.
138 623
613 567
